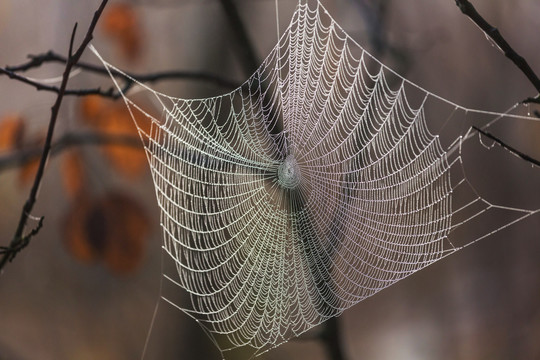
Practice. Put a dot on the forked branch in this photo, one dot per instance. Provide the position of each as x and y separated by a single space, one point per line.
20 240
508 147
37 61
494 35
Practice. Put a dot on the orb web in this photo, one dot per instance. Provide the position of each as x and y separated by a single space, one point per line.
314 185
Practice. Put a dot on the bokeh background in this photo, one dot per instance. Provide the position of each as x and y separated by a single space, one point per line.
83 291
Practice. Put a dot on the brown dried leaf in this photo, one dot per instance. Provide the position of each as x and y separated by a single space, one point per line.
121 23
73 176
129 227
112 229
12 128
77 239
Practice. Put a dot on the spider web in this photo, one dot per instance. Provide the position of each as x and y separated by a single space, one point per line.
314 185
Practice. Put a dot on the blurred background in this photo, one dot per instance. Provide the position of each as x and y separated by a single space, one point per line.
82 291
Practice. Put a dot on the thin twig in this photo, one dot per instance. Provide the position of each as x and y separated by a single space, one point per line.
535 100
55 89
74 57
12 251
68 140
508 147
52 57
493 33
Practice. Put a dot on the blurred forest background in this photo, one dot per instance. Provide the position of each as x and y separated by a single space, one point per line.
82 291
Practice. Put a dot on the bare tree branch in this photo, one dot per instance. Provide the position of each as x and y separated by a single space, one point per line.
535 100
493 33
39 86
19 239
12 250
51 57
67 141
508 147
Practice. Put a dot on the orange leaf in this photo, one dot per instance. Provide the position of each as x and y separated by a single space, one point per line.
121 23
117 121
73 174
12 128
119 18
131 162
92 107
114 118
128 160
28 171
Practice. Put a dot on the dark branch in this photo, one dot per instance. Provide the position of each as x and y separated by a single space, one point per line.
493 33
530 100
55 89
20 239
12 251
508 147
331 337
51 57
177 74
67 141
245 48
